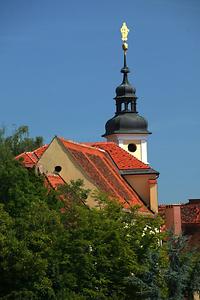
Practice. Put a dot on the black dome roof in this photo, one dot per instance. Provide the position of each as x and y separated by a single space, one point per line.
125 90
127 122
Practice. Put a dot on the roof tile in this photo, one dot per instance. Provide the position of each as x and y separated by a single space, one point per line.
190 213
54 180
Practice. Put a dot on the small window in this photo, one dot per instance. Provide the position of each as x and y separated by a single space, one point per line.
57 169
132 147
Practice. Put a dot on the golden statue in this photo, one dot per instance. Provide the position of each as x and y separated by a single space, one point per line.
124 31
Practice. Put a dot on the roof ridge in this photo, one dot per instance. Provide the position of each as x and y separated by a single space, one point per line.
80 144
96 143
176 204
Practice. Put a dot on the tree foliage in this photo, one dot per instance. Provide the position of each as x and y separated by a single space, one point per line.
52 246
20 141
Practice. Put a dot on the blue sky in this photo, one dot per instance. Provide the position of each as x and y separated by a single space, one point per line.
60 64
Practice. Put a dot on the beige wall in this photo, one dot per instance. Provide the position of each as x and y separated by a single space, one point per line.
145 190
56 155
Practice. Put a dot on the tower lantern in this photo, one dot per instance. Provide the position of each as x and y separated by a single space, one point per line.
127 128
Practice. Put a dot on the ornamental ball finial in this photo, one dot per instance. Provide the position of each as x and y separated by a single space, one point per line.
125 46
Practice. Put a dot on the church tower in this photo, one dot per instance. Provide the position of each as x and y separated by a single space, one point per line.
127 128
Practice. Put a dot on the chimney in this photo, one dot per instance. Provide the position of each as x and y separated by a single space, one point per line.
173 218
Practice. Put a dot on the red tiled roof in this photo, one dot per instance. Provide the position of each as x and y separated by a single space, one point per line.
121 158
29 159
54 180
97 165
190 213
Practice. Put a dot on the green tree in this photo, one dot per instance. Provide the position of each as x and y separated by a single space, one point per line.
170 273
111 244
149 282
194 281
182 272
32 234
53 246
20 141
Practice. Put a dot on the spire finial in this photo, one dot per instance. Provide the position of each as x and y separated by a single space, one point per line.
124 32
